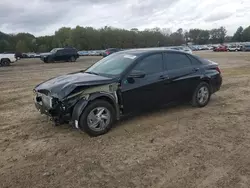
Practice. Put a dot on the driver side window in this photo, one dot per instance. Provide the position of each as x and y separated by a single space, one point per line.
150 65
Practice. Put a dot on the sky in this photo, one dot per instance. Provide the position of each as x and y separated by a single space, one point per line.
44 17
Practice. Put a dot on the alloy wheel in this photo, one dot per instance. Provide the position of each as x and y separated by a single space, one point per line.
203 95
99 118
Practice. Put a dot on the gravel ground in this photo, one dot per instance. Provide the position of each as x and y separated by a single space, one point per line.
178 146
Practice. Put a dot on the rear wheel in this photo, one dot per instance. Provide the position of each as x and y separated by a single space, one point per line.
97 118
72 59
201 95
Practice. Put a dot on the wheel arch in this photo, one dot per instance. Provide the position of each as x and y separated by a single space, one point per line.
5 59
83 103
205 79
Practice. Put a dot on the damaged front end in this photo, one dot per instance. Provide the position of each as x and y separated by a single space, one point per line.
52 107
69 108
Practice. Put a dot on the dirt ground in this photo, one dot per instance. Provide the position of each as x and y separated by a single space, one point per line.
177 147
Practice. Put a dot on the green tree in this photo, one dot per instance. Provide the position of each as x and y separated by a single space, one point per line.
194 35
237 37
218 35
203 37
4 46
246 34
21 46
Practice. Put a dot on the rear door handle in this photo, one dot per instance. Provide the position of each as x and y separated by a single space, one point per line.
164 77
196 69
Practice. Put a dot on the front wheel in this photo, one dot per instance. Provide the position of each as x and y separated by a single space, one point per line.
97 118
201 95
5 62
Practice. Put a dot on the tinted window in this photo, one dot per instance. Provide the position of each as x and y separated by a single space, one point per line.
67 51
59 52
176 61
194 60
151 64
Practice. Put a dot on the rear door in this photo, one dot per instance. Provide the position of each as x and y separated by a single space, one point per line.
144 93
183 75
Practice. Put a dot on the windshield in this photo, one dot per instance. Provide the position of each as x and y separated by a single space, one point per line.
112 65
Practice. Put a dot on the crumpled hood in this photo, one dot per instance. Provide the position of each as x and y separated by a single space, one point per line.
62 86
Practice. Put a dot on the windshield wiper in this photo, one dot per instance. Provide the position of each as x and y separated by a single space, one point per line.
90 72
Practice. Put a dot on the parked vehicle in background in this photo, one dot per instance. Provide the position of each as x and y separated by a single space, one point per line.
100 52
124 83
37 55
60 54
6 59
94 53
31 55
24 55
246 47
83 53
181 48
186 49
210 47
233 48
110 51
220 49
203 47
18 55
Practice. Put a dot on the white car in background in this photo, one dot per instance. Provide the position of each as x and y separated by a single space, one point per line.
233 48
7 59
182 48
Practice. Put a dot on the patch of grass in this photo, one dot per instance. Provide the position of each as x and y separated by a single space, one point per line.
236 71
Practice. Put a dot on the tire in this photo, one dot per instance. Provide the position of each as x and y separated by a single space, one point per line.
49 60
5 63
93 108
196 99
72 59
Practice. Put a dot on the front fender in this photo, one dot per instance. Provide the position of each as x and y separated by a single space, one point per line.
83 103
78 109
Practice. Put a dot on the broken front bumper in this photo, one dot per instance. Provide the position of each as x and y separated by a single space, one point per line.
42 109
46 105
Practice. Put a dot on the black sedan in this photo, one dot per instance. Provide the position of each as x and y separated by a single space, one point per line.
127 82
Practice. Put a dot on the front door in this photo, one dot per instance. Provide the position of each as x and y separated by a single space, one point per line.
144 93
59 55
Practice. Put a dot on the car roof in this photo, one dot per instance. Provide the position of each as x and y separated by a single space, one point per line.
112 49
144 51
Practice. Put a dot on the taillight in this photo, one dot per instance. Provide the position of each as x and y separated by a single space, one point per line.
107 52
218 69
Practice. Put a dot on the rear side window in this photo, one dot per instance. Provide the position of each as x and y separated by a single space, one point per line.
65 51
194 60
69 51
175 61
151 64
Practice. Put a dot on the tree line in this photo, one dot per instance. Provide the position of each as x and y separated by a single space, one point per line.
89 38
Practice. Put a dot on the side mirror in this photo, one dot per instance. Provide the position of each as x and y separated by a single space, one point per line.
137 74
